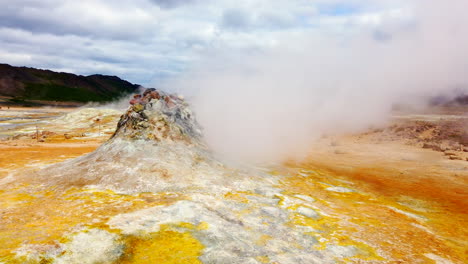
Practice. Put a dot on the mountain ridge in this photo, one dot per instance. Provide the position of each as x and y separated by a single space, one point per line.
27 83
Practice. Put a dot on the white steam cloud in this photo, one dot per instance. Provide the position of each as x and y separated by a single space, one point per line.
270 105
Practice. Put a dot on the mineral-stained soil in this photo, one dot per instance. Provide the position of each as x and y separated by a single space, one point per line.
381 196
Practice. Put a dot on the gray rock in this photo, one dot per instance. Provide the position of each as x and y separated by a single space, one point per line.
271 211
308 212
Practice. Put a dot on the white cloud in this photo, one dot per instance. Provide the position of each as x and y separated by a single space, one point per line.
135 37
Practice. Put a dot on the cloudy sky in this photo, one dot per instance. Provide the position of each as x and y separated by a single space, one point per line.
145 41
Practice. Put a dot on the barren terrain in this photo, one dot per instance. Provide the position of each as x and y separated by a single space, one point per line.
396 194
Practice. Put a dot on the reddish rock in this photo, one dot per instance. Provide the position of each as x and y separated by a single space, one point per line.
154 95
145 100
148 91
169 102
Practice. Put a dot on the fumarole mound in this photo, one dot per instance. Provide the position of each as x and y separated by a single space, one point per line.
157 146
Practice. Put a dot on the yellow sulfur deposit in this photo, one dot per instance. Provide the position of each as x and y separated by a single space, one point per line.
166 247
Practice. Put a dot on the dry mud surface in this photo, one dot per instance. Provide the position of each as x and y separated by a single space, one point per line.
390 195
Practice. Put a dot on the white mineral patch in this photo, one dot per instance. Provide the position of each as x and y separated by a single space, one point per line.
304 174
307 172
288 201
411 215
422 227
33 253
84 117
305 198
339 189
438 259
345 181
263 200
230 236
7 179
306 229
272 211
289 258
268 191
91 246
342 251
308 212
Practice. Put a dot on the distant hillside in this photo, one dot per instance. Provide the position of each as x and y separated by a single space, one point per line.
23 83
459 99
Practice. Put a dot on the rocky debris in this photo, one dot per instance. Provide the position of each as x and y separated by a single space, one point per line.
18 137
74 135
441 133
83 122
41 136
433 146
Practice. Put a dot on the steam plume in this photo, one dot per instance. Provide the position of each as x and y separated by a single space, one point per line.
269 105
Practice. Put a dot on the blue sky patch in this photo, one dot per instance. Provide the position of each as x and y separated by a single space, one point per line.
340 9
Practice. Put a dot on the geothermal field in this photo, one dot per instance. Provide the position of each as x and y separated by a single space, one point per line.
233 132
140 185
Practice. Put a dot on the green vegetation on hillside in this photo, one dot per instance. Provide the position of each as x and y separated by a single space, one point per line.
54 92
22 84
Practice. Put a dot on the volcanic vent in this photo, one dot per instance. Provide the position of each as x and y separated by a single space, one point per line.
157 116
157 146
